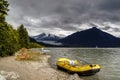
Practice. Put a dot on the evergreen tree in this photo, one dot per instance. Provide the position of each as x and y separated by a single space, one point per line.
8 40
11 40
3 9
8 36
23 37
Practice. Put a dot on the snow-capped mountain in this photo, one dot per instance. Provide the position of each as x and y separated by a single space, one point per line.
46 37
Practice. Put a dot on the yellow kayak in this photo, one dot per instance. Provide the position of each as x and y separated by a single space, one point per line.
73 66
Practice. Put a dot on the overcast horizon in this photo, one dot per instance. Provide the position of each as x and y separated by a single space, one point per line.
63 17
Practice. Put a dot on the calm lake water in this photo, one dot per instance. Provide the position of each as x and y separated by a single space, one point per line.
108 58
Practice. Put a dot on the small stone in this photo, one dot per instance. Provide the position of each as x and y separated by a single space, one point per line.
13 75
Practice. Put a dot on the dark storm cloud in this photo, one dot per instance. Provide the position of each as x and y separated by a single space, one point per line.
110 5
106 28
64 12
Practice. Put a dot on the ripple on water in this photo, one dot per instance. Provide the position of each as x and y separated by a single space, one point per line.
109 58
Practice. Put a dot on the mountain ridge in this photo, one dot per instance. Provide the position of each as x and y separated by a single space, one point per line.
91 38
46 37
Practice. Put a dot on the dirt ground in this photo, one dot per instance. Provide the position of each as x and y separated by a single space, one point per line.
34 70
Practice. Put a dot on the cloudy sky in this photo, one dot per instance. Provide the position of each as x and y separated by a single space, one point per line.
63 17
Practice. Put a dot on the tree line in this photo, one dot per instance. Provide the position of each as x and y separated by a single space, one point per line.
11 40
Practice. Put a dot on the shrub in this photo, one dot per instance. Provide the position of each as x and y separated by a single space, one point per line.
34 45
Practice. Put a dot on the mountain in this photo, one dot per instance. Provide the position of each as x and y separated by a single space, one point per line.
46 37
32 39
92 37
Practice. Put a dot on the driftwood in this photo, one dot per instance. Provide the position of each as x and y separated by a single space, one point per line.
23 54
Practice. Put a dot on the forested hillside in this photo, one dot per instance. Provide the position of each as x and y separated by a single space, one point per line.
11 39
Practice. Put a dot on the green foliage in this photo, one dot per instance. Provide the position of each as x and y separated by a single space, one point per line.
3 9
8 40
23 37
34 45
12 40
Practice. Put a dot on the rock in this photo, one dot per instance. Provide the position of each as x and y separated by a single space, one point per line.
74 77
3 73
2 77
8 75
13 75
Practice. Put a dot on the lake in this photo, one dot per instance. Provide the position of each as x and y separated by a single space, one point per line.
108 58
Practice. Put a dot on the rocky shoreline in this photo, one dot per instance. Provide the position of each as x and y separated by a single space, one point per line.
10 69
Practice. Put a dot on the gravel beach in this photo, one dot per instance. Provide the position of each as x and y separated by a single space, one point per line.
10 69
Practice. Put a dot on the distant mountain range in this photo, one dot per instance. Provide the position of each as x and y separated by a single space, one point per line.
92 37
46 37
